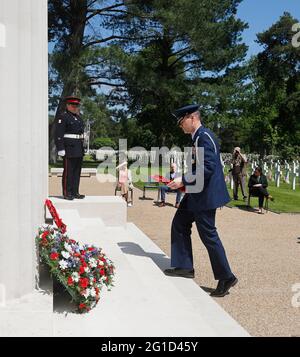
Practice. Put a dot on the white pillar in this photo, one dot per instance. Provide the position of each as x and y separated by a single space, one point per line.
23 139
2 35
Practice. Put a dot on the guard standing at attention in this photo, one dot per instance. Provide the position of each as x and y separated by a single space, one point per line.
200 207
69 137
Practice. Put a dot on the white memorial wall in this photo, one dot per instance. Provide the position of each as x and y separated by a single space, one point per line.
23 139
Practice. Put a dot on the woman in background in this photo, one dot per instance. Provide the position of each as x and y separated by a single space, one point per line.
258 184
125 182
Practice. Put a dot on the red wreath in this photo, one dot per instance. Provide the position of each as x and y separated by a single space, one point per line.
58 221
164 180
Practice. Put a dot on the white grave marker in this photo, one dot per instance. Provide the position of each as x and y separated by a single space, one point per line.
287 172
277 174
295 173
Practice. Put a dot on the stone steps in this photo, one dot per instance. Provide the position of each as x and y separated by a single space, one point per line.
30 315
220 321
132 303
147 300
143 302
85 172
143 295
111 209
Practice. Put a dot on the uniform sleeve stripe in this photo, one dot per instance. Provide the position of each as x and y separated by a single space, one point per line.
211 141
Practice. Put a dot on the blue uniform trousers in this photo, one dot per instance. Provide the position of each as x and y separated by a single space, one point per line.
181 245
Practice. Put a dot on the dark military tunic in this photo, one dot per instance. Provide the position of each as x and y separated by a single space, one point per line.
214 193
70 124
200 207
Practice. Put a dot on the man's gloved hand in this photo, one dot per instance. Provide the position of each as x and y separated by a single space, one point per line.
61 153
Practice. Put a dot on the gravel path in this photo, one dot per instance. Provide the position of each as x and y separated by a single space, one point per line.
263 250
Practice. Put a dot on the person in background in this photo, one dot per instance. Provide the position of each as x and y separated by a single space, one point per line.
238 171
164 189
125 182
258 184
69 137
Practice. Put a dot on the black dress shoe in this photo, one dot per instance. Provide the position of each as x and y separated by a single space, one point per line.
224 286
79 197
183 273
69 198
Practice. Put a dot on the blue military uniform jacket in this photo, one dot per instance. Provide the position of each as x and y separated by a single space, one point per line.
69 123
214 193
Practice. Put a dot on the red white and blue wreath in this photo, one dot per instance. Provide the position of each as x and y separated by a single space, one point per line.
82 269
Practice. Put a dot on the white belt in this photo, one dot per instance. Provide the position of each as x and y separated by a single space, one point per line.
74 136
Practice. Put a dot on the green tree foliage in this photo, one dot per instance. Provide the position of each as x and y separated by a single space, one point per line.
278 75
175 47
75 38
96 111
134 61
99 143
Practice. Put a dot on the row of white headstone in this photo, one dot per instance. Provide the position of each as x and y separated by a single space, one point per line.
275 171
278 171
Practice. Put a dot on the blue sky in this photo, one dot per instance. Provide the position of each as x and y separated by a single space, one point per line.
261 14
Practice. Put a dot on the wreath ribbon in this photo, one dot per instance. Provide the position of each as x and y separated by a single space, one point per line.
58 221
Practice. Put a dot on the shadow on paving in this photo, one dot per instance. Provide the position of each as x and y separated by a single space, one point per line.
162 261
245 208
59 197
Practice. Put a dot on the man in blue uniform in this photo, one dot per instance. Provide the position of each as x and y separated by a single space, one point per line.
200 207
69 137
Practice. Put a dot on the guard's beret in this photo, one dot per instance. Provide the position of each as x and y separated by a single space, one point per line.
72 100
180 113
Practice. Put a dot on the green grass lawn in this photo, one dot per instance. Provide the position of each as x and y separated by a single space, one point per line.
88 162
286 200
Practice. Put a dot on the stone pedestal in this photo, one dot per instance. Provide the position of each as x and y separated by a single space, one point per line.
23 139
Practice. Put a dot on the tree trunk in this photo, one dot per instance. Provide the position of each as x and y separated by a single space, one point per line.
74 47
